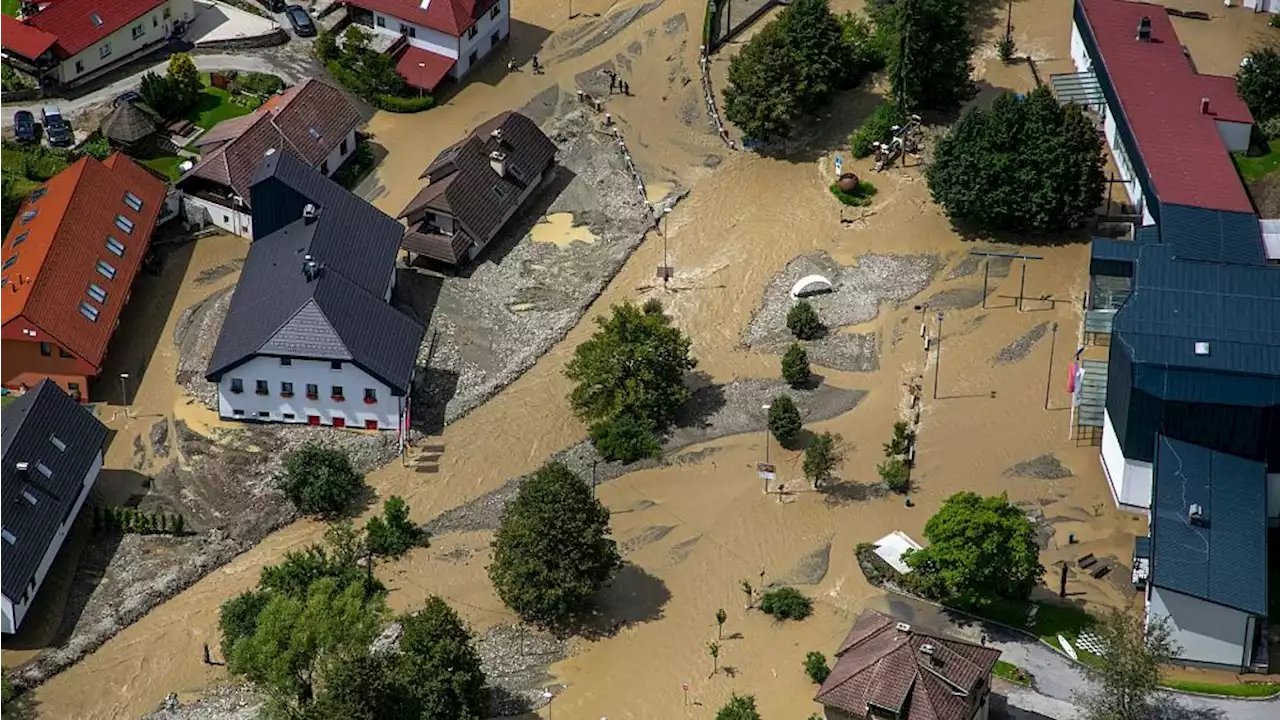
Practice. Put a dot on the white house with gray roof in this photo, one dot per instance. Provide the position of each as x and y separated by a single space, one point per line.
311 336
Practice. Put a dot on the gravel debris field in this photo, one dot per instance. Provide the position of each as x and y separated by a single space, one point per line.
1019 349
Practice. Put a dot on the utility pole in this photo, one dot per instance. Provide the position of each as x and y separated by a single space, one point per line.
662 229
937 358
593 478
124 392
1053 339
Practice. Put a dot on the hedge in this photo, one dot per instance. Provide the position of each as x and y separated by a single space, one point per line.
397 104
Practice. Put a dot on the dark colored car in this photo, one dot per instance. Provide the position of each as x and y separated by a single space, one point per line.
55 128
24 126
302 23
126 97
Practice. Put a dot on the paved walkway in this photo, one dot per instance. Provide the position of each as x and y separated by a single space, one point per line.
1057 679
217 21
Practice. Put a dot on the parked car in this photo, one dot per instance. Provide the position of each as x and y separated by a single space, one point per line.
24 126
273 5
128 96
302 23
55 128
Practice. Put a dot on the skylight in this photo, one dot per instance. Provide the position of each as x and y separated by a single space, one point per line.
44 470
57 442
29 497
106 269
29 215
37 194
313 133
8 536
124 224
97 293
10 261
20 239
133 201
115 246
97 20
89 311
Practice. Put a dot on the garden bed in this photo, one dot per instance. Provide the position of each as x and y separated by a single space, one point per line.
216 105
859 197
1012 673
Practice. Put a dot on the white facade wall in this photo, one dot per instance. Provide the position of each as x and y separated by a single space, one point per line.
1207 632
14 610
236 222
479 39
334 159
151 28
1271 6
1130 480
1234 135
420 37
352 409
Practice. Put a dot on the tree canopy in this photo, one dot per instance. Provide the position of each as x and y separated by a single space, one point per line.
184 81
1258 83
981 549
320 480
633 367
928 46
793 67
784 419
824 454
795 365
393 533
739 707
1027 165
553 548
1125 680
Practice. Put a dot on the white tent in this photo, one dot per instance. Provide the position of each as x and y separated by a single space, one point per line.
811 285
891 547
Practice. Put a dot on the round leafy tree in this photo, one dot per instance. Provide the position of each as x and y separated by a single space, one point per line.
759 97
625 439
815 666
319 480
784 419
739 707
795 365
393 533
929 47
1023 165
786 603
981 549
1258 83
803 322
552 549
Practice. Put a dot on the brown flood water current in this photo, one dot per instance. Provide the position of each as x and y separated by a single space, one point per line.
743 222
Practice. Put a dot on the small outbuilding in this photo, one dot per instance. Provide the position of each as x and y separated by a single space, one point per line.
129 125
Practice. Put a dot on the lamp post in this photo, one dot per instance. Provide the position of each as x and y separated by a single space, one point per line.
124 392
1053 339
937 360
764 475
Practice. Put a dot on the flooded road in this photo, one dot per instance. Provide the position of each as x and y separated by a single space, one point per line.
694 530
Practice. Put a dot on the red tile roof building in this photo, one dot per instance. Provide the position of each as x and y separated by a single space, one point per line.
435 38
886 668
70 259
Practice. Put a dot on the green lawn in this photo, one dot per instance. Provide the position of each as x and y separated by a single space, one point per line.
10 7
1253 168
1260 689
214 106
166 165
1012 673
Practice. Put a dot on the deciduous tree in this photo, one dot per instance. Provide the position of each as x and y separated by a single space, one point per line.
824 63
1025 165
1126 678
824 454
184 81
1258 83
760 96
393 533
320 480
739 707
553 548
981 549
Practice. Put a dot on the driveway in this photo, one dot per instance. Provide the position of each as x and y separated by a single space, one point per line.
1057 679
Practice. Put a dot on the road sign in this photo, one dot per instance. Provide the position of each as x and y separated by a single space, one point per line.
839 166
765 470
665 272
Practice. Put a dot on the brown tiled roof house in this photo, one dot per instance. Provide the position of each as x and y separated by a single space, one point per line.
888 669
475 187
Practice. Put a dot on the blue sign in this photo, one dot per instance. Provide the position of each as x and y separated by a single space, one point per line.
839 166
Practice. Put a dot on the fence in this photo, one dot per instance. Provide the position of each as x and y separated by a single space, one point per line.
637 178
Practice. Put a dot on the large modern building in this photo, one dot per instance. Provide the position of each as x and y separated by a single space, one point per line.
70 259
1190 305
311 336
52 455
68 42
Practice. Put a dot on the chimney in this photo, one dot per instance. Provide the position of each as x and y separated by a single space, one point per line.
1196 514
1204 106
498 161
309 267
1144 29
22 466
310 212
904 627
496 134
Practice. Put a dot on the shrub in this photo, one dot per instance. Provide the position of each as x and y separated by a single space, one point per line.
858 198
260 83
625 439
326 47
803 321
895 474
393 533
356 167
786 603
1006 48
14 80
901 442
1270 128
795 365
319 480
97 146
784 419
878 127
815 666
239 617
739 707
401 104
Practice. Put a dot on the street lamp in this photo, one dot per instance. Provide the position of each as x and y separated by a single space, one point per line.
124 392
937 360
662 229
765 408
1053 339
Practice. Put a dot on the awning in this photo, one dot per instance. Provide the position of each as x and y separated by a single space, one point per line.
1081 88
23 39
423 69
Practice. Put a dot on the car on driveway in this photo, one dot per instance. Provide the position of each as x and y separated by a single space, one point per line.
126 97
302 23
24 126
56 129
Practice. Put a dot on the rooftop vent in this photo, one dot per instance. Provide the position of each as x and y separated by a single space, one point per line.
926 649
310 212
1202 348
498 161
496 134
22 466
1204 106
309 268
904 627
269 152
1196 514
1144 29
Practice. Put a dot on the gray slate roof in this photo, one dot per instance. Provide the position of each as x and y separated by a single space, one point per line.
463 182
1224 560
338 315
29 422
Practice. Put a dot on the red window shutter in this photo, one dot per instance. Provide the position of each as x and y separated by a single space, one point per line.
339 422
370 424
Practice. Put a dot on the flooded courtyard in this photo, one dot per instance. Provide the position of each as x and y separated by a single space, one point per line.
696 524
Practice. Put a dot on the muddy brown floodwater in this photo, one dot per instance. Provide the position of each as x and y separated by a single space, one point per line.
694 529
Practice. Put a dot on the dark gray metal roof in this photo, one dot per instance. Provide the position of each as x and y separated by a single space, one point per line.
337 314
30 424
1223 560
1215 236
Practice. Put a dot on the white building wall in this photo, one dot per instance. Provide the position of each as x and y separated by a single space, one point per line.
334 159
1234 135
235 222
1130 480
14 609
1207 632
422 37
479 39
353 380
1271 6
1079 56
